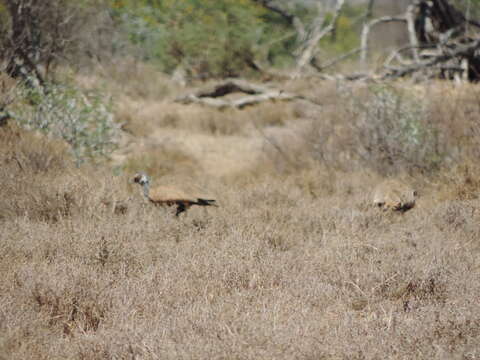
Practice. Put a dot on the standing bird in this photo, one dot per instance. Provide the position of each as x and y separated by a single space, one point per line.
165 195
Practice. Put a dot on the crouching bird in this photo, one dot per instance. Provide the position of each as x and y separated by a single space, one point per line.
394 195
169 196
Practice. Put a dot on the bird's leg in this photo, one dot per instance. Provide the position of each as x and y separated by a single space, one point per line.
180 208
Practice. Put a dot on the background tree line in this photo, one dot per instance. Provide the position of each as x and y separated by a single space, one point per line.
204 38
207 38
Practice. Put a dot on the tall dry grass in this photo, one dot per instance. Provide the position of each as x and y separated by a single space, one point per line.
295 263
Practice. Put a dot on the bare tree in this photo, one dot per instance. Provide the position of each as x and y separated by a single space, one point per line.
23 46
442 42
319 30
307 36
43 33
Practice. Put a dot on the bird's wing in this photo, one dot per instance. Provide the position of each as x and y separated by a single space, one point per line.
168 194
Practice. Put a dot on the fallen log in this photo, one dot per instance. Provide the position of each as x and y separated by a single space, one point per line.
256 94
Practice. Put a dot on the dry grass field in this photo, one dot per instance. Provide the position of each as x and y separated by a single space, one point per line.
296 263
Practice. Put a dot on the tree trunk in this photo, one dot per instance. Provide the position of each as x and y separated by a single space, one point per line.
24 42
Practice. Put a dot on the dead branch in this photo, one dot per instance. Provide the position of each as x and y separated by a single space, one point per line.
461 50
290 18
440 42
231 86
239 103
336 60
368 26
256 94
369 10
397 54
412 37
357 76
316 35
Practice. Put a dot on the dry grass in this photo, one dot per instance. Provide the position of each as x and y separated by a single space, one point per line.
161 161
128 78
141 117
385 128
295 263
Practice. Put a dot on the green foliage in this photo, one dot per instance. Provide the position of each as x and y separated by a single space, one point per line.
347 34
467 5
393 128
82 118
4 25
209 37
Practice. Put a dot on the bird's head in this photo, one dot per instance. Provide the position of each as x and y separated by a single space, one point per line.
141 178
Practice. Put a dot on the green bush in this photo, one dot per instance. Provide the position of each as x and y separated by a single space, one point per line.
393 132
209 38
82 118
347 37
380 128
221 38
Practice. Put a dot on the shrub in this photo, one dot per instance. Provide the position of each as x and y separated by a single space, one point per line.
211 38
380 128
393 130
82 118
346 36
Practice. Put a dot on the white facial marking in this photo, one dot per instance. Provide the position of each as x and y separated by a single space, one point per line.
143 179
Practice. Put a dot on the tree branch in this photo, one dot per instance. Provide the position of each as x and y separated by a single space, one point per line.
331 62
412 37
317 34
291 19
461 50
366 32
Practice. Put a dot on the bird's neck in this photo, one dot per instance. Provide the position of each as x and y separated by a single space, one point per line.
146 189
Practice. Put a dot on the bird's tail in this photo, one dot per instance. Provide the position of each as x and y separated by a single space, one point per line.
206 202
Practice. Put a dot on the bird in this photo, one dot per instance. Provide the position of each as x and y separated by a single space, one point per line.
170 196
394 195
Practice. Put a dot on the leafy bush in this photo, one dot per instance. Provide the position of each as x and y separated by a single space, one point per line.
82 118
221 38
209 38
381 128
393 130
346 37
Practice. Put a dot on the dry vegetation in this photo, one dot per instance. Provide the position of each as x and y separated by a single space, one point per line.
294 264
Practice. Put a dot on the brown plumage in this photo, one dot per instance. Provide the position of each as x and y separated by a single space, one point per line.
394 195
170 196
